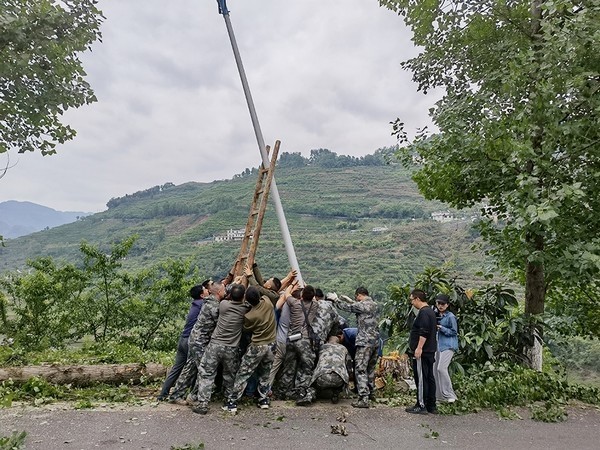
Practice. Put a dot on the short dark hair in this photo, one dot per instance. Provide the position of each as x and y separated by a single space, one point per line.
196 291
237 292
207 283
361 291
420 294
277 283
319 293
253 295
308 292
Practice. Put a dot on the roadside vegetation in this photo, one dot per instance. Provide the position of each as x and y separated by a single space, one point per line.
489 370
120 295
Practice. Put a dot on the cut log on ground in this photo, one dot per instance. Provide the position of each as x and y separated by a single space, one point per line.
85 375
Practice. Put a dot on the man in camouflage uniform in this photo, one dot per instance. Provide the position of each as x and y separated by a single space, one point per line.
324 324
333 367
223 348
260 320
367 343
283 384
198 340
304 349
327 320
198 294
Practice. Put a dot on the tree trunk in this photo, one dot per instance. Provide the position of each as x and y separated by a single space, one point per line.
535 294
535 287
79 375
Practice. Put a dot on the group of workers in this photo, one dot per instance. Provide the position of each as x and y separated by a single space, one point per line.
266 338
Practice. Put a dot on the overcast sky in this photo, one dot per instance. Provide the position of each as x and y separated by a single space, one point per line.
323 74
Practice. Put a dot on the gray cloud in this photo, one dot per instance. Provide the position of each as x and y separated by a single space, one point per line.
171 106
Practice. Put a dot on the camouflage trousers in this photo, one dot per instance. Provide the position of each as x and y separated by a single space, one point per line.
188 376
214 355
278 359
326 381
283 379
257 358
364 369
302 353
329 380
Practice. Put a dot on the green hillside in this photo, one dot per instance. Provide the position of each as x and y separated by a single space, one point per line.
331 215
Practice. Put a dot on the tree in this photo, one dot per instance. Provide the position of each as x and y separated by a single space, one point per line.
323 157
44 301
518 129
110 287
41 75
292 160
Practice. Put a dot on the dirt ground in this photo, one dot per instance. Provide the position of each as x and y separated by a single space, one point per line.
284 426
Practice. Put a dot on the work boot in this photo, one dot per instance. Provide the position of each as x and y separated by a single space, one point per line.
304 400
178 401
200 409
335 397
362 402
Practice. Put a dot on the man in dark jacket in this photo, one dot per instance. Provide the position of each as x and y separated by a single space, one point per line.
422 347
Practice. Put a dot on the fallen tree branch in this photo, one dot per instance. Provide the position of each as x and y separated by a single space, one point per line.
85 375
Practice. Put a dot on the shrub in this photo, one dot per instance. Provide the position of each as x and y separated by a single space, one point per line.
489 324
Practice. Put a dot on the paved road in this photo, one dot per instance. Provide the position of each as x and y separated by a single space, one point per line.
162 426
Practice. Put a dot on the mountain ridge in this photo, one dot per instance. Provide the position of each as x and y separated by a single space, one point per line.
350 226
19 218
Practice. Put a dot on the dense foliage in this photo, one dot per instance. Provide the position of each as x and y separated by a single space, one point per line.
41 75
518 129
56 304
488 369
491 327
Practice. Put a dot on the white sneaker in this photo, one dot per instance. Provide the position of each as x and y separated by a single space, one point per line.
451 400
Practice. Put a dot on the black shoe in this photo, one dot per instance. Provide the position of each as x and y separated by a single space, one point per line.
432 411
372 397
416 410
162 398
335 398
230 407
264 403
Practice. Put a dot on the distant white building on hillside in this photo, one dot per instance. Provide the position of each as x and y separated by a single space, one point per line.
231 235
380 229
443 216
